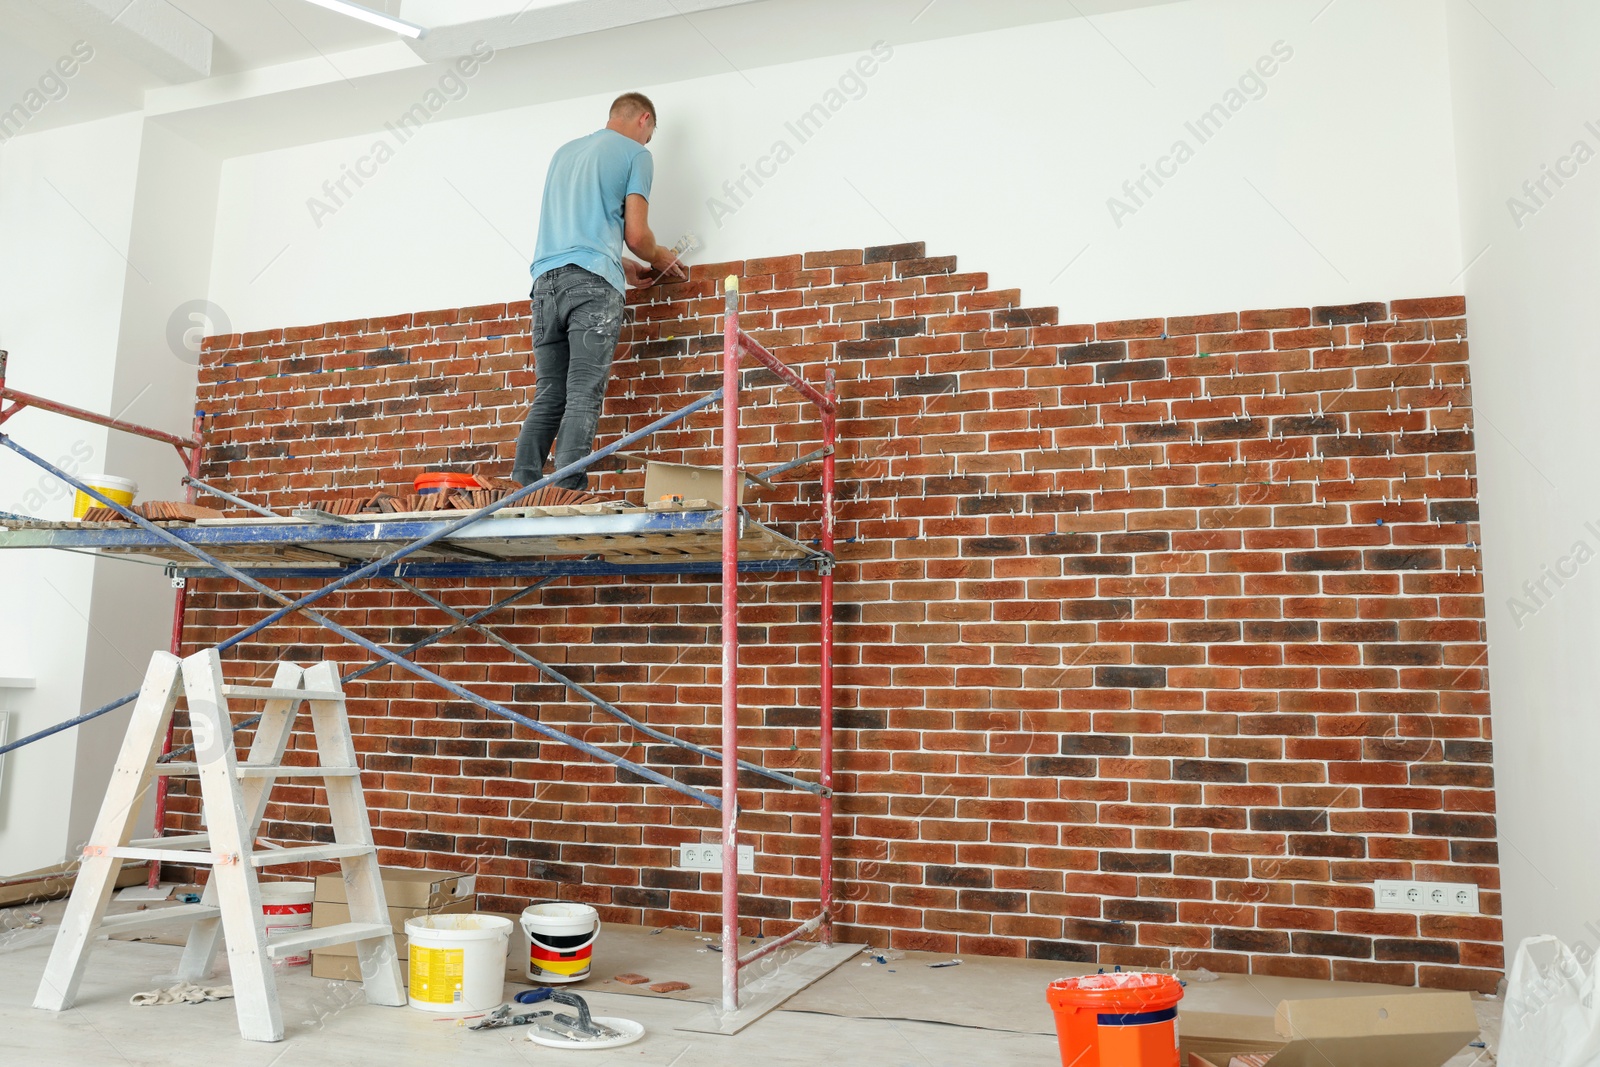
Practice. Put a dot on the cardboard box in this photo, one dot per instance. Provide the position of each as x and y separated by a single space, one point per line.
1398 1030
325 964
330 913
691 483
406 887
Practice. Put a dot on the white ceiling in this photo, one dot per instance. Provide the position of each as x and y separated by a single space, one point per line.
259 33
263 48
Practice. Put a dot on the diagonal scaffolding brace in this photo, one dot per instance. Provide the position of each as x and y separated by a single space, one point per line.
599 701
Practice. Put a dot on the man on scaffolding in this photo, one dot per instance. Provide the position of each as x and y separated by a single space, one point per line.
596 198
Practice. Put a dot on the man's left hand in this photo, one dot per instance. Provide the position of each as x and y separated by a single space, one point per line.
639 275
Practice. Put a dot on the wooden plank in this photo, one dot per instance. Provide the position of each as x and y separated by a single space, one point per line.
275 692
181 841
280 771
155 917
294 942
305 854
164 855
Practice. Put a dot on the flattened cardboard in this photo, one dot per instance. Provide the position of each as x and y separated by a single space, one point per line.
406 887
1403 1030
50 883
691 483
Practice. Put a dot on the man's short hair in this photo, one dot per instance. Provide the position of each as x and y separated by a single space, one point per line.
631 105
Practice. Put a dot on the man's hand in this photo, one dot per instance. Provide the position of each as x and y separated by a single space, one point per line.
637 273
666 265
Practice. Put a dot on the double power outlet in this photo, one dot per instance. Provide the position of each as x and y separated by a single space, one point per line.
709 858
1427 897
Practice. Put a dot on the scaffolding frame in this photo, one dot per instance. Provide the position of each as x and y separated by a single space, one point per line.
737 345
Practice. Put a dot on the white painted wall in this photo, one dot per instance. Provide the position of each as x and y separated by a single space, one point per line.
1526 91
169 257
1002 147
66 208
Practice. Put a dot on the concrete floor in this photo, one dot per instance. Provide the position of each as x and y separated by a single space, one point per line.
888 1013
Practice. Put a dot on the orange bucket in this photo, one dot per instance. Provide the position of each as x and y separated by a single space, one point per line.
1126 1019
443 482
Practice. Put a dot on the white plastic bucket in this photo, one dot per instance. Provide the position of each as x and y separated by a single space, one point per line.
457 962
561 940
287 906
122 490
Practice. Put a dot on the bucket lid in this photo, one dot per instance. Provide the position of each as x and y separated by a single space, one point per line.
444 480
560 910
470 926
102 481
1120 990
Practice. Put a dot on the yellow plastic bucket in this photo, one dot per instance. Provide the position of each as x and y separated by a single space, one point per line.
457 962
119 489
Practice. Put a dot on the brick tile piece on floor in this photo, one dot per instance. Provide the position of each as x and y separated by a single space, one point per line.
1159 640
630 979
669 987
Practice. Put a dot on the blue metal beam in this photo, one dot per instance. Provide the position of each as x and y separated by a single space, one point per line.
528 568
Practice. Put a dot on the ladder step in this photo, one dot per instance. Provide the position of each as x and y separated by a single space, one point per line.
159 855
261 770
155 916
278 770
176 841
308 854
293 942
194 848
258 692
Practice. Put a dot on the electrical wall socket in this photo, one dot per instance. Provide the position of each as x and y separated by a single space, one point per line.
709 858
1427 897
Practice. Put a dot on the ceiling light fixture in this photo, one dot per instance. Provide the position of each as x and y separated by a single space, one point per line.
376 18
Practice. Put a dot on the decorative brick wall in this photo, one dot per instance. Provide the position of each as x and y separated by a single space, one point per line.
1159 639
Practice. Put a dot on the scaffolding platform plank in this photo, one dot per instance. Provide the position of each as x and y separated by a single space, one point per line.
636 537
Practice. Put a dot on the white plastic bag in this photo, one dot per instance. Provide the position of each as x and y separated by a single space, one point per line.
1552 1016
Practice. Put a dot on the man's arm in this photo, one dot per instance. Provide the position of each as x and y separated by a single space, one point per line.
641 241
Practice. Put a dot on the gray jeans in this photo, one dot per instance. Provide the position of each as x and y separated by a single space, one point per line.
577 317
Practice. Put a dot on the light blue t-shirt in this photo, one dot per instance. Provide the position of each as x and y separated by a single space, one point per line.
580 221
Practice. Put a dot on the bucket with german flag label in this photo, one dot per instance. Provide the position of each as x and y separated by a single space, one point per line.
561 940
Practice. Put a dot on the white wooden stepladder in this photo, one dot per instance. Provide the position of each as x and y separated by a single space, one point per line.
234 797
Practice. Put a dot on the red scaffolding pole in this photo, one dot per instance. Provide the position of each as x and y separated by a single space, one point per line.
735 344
